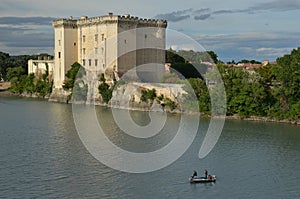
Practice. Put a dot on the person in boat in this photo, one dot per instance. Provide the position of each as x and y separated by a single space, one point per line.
205 173
194 174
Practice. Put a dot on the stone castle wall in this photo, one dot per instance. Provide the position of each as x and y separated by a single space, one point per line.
98 44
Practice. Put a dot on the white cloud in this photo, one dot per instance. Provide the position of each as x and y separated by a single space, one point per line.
251 45
274 52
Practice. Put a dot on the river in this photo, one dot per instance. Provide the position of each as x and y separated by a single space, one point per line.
42 156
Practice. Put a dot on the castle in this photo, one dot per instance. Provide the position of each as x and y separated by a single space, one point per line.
108 44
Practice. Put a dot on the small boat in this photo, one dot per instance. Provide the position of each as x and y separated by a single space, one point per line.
210 178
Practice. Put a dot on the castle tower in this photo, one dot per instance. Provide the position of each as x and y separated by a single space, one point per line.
65 48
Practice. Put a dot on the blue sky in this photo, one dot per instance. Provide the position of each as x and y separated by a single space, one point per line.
234 29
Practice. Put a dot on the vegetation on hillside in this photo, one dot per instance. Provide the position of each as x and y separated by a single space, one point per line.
190 64
149 95
28 84
268 91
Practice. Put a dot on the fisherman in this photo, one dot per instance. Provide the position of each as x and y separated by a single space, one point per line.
194 174
205 173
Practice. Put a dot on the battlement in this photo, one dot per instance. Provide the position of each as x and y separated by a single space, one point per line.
110 18
65 23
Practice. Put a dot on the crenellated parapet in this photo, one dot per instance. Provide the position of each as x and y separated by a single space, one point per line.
68 23
142 21
109 19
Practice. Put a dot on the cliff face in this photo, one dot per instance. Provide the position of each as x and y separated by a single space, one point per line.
130 96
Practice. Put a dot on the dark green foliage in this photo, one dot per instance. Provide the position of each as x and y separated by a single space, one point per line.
285 86
213 56
173 57
188 70
21 83
43 88
201 92
79 91
105 90
151 95
169 103
16 72
249 61
76 71
148 95
189 63
144 96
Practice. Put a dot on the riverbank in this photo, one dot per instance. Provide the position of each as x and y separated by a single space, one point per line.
4 93
157 108
264 119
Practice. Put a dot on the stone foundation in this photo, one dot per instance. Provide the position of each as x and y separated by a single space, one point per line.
60 95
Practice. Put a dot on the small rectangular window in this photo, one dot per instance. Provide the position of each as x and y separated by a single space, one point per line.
83 62
96 62
102 37
83 51
83 38
59 54
59 43
90 62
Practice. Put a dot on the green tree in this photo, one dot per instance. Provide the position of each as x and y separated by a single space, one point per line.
105 90
200 90
16 72
79 91
286 85
75 71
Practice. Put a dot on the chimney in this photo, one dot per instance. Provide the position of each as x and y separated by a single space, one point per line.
110 14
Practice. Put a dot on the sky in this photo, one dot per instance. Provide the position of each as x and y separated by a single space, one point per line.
233 29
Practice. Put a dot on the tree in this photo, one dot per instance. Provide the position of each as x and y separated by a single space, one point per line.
286 85
213 56
201 92
75 71
105 90
16 72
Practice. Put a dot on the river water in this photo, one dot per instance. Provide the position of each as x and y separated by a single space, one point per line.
42 156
